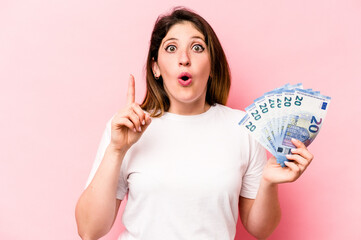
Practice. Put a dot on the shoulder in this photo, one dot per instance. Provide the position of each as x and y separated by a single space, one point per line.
229 118
108 125
229 113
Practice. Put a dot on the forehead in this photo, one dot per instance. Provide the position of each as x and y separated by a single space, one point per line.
183 29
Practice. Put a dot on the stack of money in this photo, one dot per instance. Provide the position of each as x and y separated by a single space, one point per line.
285 113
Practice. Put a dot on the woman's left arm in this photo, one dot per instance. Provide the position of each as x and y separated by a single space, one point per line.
261 216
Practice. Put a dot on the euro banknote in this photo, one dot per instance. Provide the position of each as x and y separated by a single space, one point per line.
284 113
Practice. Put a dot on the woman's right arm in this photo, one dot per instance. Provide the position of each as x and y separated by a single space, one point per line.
98 206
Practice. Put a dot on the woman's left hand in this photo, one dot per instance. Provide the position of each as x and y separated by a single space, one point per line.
274 173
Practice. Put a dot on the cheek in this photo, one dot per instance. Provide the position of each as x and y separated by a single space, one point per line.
205 65
165 66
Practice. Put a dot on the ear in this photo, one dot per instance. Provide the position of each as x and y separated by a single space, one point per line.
155 68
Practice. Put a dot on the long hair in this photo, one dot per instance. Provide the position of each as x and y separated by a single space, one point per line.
156 100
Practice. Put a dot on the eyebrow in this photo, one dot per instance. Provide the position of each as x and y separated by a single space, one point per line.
196 37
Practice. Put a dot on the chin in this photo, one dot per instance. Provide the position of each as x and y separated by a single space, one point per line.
189 100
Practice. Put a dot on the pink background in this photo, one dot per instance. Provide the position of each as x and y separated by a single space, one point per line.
64 67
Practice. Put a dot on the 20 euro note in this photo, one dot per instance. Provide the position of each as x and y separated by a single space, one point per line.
265 108
281 107
306 115
285 113
261 121
253 123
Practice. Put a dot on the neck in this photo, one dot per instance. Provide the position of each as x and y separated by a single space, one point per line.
193 108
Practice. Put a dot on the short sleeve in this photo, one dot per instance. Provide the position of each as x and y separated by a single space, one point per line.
252 177
104 142
122 187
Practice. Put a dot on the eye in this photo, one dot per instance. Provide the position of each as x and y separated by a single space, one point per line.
170 48
198 48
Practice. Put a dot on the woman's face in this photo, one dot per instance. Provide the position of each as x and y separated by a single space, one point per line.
184 64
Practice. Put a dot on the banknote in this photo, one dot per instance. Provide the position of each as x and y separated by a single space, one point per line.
284 113
305 118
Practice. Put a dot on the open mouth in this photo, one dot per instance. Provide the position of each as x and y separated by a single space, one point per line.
185 78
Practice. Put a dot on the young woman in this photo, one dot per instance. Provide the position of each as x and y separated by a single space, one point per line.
187 167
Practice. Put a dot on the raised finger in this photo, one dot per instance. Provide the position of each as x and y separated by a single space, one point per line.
131 90
139 112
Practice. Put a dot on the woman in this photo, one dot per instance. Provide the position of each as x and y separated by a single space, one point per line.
189 170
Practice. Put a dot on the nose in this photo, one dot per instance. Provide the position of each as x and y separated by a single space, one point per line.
184 59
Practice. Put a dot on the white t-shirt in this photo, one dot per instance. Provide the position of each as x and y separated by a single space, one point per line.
185 175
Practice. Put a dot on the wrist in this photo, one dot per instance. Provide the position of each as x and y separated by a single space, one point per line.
116 150
267 183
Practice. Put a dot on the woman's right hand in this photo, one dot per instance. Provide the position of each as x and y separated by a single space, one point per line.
129 123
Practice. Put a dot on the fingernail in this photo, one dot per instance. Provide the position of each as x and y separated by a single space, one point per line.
134 130
143 122
140 129
294 140
293 150
288 155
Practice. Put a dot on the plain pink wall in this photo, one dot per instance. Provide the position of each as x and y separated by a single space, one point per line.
64 67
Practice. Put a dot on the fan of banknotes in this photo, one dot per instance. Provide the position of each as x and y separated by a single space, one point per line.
285 113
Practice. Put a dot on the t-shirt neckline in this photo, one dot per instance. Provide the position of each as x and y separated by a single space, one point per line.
174 116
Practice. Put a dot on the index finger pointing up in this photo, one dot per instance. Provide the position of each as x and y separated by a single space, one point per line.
131 90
